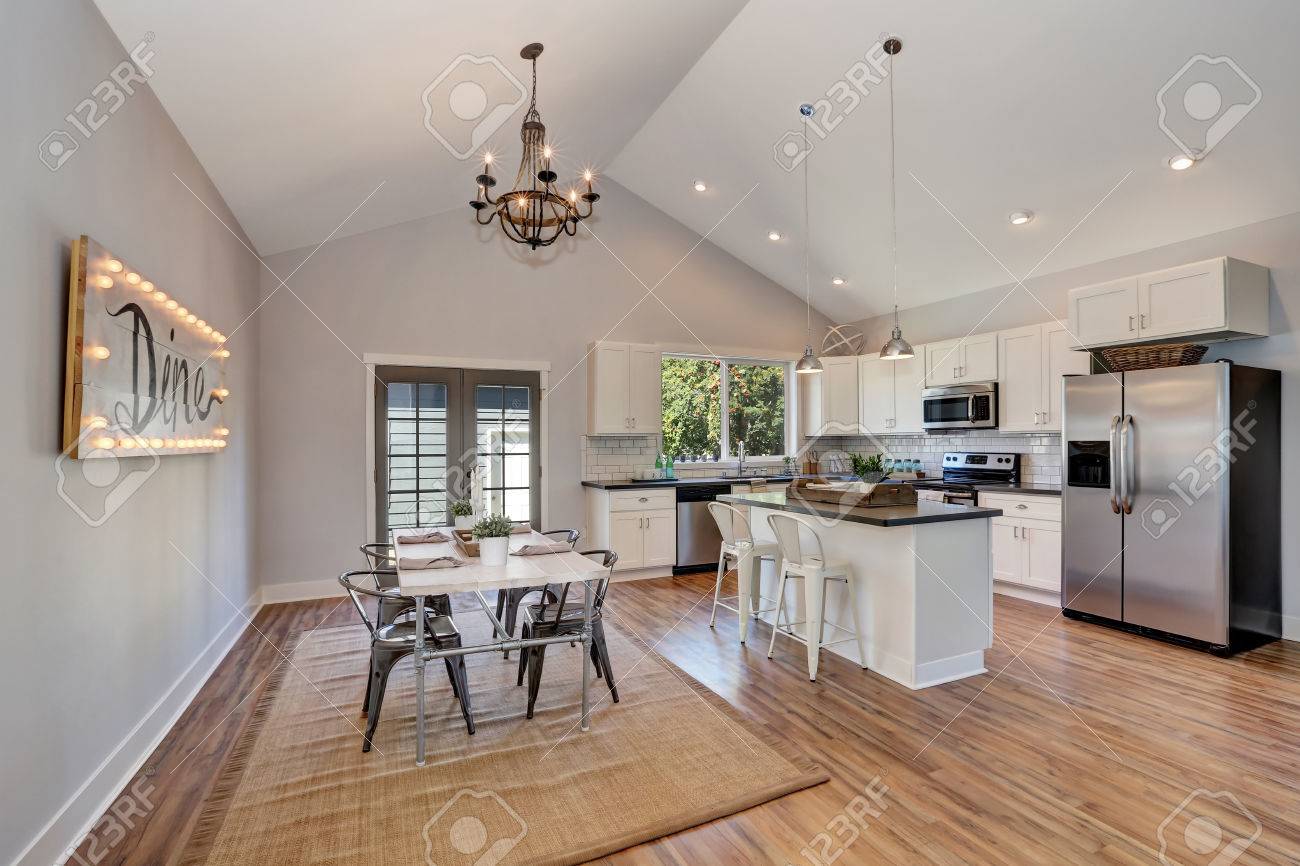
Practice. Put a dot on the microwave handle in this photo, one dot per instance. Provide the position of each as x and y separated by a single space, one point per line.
970 408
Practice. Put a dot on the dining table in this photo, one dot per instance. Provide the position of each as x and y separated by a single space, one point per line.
474 577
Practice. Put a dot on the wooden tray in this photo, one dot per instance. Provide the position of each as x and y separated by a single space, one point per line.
881 495
463 539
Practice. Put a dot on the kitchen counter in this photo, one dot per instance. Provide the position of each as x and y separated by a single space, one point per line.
924 584
629 484
1017 489
924 511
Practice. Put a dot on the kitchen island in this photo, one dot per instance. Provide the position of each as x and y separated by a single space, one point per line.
923 577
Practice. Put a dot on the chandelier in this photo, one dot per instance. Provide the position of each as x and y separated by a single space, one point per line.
533 212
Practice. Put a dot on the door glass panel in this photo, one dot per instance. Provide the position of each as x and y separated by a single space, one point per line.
417 453
504 448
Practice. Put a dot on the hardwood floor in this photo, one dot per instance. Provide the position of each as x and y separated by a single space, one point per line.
1076 746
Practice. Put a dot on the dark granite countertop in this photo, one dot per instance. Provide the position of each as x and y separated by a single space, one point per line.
924 511
628 484
1031 489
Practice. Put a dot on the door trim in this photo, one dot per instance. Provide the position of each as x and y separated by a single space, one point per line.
374 359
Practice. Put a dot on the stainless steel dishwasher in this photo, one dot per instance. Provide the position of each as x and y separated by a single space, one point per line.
698 539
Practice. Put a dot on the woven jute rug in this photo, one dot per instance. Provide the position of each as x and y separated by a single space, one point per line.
298 788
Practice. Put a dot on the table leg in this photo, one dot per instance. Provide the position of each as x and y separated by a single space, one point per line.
419 680
586 654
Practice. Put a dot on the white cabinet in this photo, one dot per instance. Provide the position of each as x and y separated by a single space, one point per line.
875 395
624 382
1031 363
956 362
640 525
1026 541
909 381
839 396
1217 299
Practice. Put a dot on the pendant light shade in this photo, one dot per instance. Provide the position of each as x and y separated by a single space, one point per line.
897 349
810 363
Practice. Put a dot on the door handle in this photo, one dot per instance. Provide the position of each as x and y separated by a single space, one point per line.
1130 477
1114 464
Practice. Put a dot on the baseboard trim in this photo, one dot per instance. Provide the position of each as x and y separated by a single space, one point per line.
302 590
1290 627
1026 593
91 801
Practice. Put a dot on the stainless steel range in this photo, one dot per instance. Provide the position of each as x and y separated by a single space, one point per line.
962 470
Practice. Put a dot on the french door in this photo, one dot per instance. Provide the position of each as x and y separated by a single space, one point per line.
436 426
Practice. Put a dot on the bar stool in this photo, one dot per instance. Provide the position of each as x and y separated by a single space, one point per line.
815 571
738 543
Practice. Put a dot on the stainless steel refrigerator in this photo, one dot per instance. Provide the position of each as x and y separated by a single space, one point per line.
1172 498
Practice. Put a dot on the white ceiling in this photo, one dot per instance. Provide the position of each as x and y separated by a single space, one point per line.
298 113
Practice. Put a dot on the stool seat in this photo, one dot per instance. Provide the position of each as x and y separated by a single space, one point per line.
738 545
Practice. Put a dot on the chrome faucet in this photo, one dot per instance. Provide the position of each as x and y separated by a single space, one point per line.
740 459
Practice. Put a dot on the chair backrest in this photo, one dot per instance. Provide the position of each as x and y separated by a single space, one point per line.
347 579
381 560
797 539
568 536
547 612
732 523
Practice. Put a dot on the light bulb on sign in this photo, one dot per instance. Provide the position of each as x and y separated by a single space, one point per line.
133 278
222 353
126 444
171 304
182 312
191 318
200 324
99 353
98 422
115 266
104 281
169 443
222 431
105 442
160 296
222 393
207 329
146 287
155 443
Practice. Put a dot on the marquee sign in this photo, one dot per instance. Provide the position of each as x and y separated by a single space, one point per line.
144 374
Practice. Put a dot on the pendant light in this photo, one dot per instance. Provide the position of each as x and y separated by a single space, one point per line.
897 349
809 363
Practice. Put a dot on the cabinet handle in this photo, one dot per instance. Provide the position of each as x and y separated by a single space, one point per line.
1015 532
1130 323
1024 534
1022 506
1142 320
954 373
643 499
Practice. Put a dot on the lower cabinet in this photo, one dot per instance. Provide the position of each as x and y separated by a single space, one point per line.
640 526
1026 550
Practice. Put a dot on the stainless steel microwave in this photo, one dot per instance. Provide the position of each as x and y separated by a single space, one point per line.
960 407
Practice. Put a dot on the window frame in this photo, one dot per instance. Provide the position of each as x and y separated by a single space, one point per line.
724 394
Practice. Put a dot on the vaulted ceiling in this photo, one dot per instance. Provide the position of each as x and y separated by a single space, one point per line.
300 108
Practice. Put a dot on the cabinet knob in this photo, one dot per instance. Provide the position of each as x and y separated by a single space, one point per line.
1022 506
644 499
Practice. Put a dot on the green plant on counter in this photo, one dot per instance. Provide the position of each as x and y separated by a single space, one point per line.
493 526
867 464
462 508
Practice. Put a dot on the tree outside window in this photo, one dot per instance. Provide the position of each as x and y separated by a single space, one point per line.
694 390
756 409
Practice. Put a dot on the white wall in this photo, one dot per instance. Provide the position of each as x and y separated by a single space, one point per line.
442 286
1273 243
98 625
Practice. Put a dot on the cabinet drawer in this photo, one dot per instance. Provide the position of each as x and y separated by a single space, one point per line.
643 500
1031 507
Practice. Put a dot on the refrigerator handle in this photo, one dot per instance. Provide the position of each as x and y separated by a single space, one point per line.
1114 466
1128 480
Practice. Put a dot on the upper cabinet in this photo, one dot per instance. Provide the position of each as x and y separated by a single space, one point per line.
624 382
1031 362
839 381
1217 299
958 362
889 394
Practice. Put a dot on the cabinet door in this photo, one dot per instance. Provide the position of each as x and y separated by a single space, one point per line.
645 388
660 538
1061 357
839 396
608 412
941 363
1105 313
1020 378
979 358
1042 543
909 380
627 538
1008 553
1182 300
875 395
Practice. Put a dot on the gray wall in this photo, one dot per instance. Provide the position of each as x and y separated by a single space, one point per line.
443 287
98 624
1273 243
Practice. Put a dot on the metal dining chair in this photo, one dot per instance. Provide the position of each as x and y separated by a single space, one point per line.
392 642
508 600
563 617
381 560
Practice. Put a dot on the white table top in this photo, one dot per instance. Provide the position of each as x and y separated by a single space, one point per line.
519 571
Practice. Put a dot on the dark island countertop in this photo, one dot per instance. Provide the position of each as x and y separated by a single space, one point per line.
924 511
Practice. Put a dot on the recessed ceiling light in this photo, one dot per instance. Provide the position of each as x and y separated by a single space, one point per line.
700 186
774 236
1020 217
1182 162
837 281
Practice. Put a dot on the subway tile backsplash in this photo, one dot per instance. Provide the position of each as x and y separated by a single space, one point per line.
1040 461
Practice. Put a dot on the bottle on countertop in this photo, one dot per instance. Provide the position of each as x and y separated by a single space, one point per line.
668 467
659 466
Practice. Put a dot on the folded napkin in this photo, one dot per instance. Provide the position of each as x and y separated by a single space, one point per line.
420 563
433 536
540 549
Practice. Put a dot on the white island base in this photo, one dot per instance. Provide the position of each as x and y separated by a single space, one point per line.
924 590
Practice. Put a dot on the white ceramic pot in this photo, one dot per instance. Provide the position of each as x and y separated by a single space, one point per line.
465 522
493 551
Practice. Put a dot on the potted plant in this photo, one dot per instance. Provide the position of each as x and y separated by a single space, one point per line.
869 467
462 514
493 536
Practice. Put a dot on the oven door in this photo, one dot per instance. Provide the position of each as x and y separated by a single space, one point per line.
959 407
